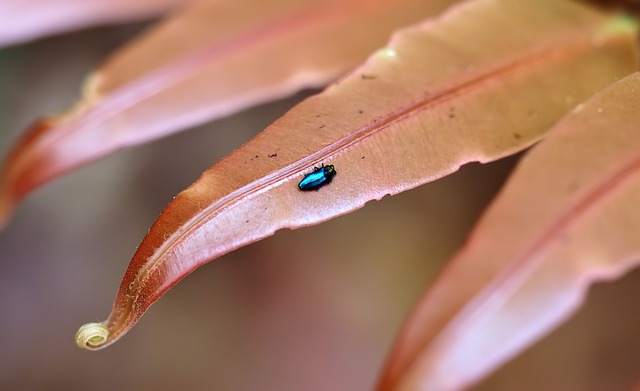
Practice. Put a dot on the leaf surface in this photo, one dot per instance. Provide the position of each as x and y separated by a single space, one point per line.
24 20
567 217
449 91
210 60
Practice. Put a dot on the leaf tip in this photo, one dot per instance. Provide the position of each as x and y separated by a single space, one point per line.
92 336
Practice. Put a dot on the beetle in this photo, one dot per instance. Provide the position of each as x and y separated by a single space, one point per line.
318 178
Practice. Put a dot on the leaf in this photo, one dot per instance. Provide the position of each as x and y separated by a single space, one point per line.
567 217
434 99
24 20
210 60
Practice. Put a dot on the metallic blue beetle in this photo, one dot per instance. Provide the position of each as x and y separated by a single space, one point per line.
318 178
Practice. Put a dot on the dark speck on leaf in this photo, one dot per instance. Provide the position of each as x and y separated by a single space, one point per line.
256 156
273 155
322 126
363 157
573 186
364 76
360 111
517 136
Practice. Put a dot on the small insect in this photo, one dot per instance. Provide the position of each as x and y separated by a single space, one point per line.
318 178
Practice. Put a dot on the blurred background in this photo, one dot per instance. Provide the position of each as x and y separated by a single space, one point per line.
270 316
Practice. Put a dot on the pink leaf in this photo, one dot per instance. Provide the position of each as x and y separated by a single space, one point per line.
210 60
23 20
444 93
568 216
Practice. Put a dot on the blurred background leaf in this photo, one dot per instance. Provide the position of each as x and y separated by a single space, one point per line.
25 20
201 64
566 218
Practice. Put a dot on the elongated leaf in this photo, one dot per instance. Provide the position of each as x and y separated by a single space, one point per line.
23 20
208 61
568 216
450 91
